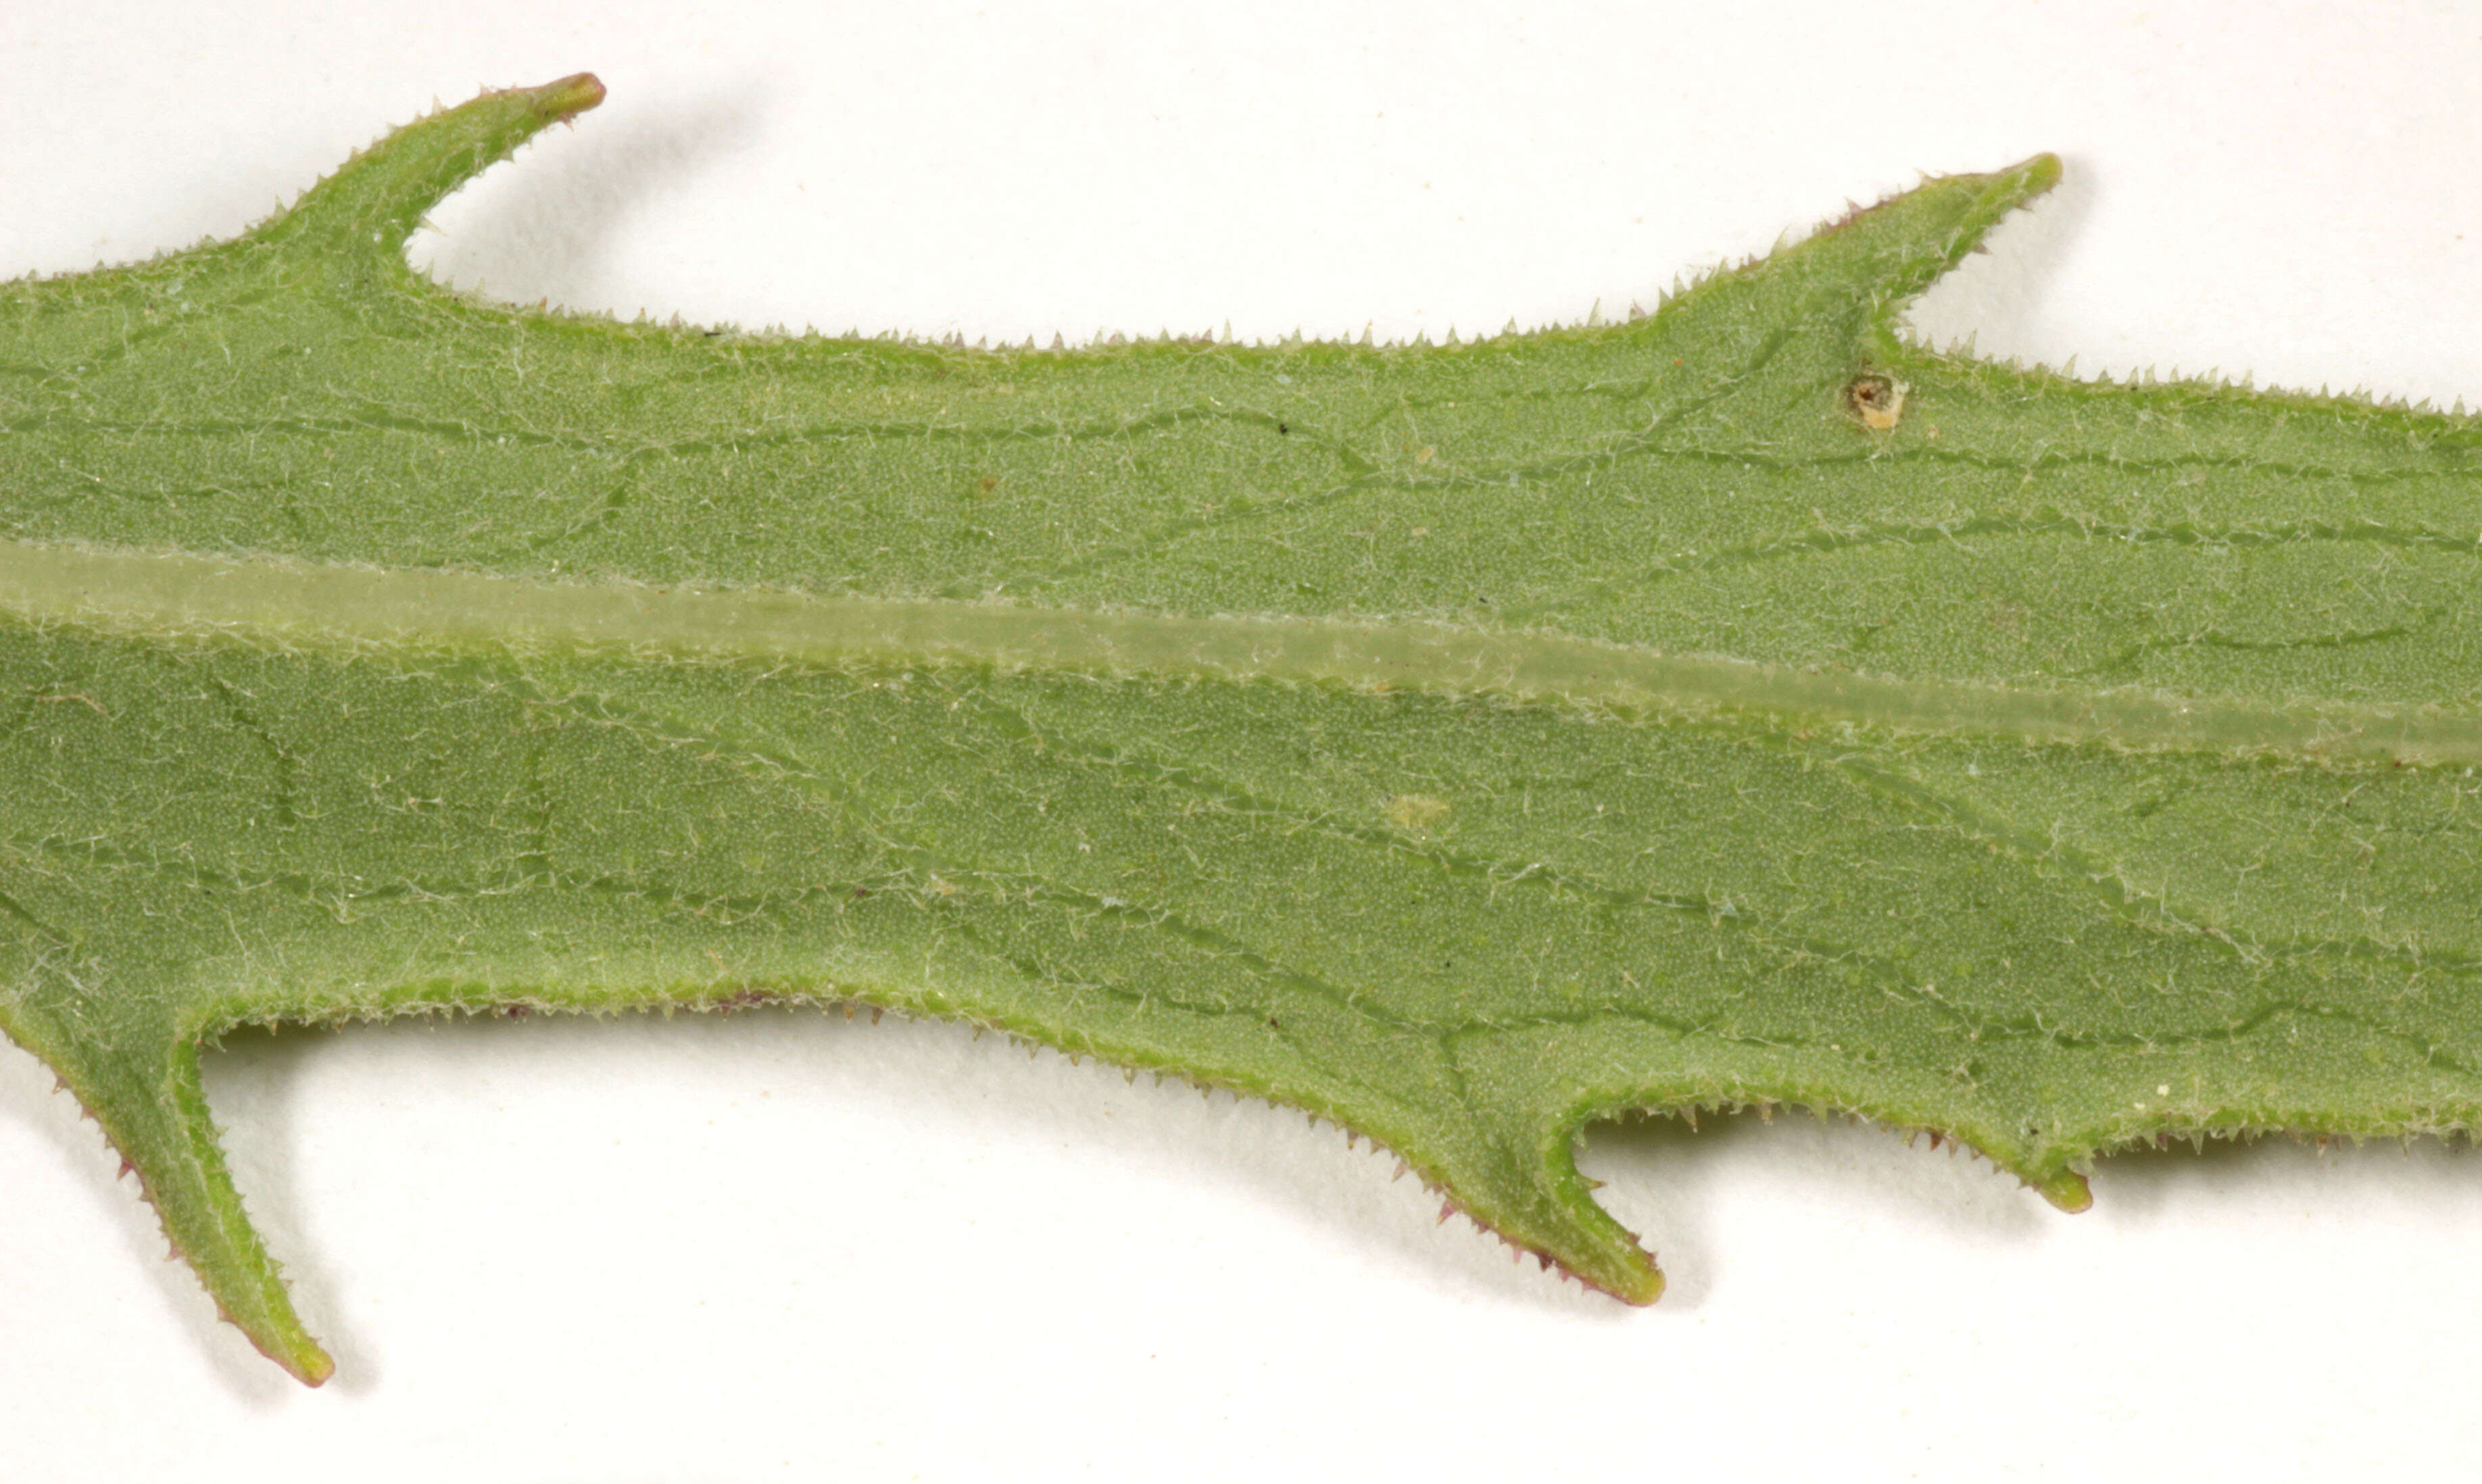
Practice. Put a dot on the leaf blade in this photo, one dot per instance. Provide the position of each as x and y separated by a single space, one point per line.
1461 743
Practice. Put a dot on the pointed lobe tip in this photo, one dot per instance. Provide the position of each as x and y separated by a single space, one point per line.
570 97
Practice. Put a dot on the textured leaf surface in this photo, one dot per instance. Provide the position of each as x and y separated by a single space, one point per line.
1461 743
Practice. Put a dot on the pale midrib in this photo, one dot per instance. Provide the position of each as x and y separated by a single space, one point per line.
294 603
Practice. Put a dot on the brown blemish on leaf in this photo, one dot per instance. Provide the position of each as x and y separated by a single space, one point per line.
1878 401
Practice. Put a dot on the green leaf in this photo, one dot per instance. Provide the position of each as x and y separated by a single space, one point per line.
1737 705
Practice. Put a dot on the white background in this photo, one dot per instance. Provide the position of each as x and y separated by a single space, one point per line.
776 1245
